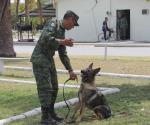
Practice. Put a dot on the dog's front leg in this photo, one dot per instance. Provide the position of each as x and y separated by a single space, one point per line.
81 112
77 107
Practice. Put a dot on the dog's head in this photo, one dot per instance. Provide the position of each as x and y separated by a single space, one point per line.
88 74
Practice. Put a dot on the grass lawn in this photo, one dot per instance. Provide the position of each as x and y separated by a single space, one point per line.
130 107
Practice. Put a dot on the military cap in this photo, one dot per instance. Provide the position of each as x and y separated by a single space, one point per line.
70 13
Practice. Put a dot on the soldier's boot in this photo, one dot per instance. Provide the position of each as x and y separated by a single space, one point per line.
45 118
54 115
52 111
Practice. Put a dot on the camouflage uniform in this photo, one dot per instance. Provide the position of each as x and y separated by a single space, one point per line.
43 63
122 26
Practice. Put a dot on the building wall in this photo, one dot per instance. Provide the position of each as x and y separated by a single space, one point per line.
92 15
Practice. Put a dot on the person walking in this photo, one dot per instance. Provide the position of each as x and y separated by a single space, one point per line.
105 28
52 39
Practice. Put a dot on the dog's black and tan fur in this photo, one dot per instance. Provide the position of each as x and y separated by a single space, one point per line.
90 97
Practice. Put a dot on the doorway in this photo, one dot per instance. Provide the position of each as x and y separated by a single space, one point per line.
123 16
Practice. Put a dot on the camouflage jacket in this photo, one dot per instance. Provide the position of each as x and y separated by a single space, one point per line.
123 22
47 45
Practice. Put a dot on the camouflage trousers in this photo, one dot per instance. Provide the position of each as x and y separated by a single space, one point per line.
47 83
122 33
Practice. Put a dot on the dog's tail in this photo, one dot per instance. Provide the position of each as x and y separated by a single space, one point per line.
104 110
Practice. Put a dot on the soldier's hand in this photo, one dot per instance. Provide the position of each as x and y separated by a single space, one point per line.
73 76
67 42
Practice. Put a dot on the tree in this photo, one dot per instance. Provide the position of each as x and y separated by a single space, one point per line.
6 40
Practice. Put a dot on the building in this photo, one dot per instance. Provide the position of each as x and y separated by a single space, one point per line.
93 12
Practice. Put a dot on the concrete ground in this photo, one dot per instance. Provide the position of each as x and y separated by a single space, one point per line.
117 48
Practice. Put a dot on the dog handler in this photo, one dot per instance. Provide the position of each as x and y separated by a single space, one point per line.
52 39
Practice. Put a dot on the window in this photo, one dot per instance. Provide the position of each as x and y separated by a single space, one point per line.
145 11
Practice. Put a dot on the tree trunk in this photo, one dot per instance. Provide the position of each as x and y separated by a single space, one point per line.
6 40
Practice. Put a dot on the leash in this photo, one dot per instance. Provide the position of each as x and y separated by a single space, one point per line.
65 97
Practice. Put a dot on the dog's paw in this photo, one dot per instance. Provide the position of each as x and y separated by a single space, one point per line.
78 119
99 116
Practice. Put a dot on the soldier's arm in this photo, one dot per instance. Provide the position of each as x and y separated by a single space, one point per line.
64 57
66 61
49 35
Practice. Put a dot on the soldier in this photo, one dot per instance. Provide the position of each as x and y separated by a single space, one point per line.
122 27
52 39
118 25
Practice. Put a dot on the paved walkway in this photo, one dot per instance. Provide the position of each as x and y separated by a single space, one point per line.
90 49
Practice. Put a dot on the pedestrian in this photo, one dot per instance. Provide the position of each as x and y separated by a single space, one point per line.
52 39
105 28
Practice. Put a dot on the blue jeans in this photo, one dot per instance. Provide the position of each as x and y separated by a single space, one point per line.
105 31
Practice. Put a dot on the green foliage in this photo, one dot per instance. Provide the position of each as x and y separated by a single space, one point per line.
21 9
14 18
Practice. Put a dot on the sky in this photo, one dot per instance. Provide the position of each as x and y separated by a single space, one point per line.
22 1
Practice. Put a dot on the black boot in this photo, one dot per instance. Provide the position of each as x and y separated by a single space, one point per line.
54 115
45 118
51 107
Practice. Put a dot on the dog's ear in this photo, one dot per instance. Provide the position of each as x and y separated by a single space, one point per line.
90 66
96 70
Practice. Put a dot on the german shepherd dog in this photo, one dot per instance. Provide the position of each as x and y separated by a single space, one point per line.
90 97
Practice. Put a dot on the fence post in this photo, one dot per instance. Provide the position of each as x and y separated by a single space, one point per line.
106 49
